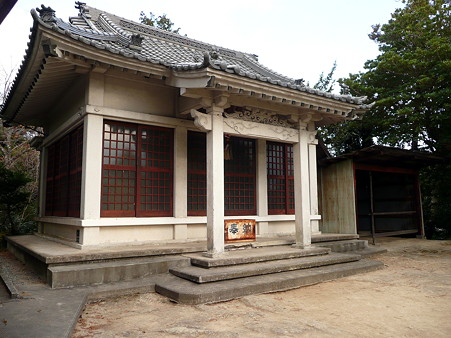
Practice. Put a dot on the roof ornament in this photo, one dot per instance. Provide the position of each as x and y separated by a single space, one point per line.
207 60
299 82
47 14
209 57
136 41
83 10
345 90
214 55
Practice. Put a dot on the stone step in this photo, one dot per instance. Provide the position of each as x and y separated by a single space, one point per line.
333 237
202 275
63 276
246 256
187 292
344 246
288 240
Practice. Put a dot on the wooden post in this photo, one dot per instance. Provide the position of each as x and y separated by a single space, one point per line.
373 228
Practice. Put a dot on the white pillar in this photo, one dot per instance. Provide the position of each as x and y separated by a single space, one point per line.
302 190
262 187
313 183
180 182
90 236
215 183
91 177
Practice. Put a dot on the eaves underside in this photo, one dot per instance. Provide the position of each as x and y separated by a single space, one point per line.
253 89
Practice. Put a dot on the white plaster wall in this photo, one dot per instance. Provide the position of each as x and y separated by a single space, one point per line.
197 231
139 97
62 231
281 228
113 235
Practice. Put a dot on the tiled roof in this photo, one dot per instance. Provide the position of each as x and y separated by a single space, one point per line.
145 43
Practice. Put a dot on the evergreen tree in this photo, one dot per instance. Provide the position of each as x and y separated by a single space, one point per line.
161 22
326 83
409 83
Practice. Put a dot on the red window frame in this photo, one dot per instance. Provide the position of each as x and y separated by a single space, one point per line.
280 178
137 170
240 168
197 174
63 177
240 165
75 172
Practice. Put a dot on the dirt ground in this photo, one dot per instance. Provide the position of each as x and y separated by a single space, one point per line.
411 297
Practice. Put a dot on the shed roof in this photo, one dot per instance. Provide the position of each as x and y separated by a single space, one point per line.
387 156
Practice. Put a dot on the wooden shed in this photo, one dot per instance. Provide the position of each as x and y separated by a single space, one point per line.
373 191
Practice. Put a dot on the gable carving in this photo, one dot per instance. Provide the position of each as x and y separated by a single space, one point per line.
260 116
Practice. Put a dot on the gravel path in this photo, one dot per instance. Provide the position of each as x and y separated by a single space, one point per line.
16 272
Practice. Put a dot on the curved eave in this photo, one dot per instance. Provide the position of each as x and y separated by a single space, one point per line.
327 110
25 76
41 78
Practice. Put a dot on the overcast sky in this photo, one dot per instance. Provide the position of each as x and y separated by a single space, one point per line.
297 38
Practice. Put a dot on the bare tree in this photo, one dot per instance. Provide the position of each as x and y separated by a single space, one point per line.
17 156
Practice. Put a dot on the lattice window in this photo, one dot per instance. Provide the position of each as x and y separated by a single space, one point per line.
239 176
52 151
280 169
137 173
155 171
63 181
197 174
75 170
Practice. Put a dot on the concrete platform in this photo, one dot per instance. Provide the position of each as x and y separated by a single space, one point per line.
51 252
64 276
202 275
187 292
62 266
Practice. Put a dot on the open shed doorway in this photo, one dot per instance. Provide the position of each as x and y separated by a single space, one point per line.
387 201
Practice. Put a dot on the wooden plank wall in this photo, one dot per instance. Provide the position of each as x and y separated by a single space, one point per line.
338 198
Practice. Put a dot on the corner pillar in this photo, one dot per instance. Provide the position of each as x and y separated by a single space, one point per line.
91 177
313 177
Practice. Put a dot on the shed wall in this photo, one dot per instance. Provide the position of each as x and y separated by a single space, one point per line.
338 198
